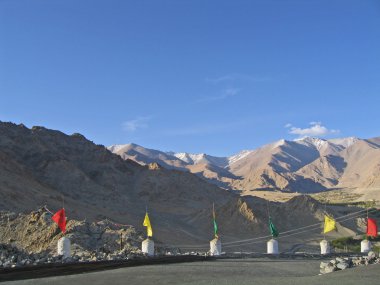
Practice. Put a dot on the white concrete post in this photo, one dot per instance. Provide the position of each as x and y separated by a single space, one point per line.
147 246
365 246
272 246
64 247
215 247
325 247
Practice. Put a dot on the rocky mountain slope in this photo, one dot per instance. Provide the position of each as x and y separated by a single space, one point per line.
36 232
41 167
306 165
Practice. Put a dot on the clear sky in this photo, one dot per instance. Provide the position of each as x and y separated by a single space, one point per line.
192 75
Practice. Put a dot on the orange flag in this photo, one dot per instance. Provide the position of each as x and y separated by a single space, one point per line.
60 219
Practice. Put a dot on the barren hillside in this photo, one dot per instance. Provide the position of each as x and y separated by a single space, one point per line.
40 166
308 165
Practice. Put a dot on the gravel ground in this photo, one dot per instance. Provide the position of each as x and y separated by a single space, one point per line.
227 271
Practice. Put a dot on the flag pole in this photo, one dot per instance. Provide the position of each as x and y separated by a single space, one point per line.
121 240
213 216
269 219
324 234
146 212
63 207
268 213
366 236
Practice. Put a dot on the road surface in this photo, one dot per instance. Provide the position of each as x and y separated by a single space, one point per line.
223 271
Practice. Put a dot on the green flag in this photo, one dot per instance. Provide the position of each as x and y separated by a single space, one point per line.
273 230
215 229
214 219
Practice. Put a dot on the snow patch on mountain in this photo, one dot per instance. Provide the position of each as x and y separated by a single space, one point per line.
324 147
234 158
278 143
189 157
317 142
115 148
199 158
345 142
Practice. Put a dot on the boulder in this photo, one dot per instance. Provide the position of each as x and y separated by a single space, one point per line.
371 256
324 264
342 265
328 269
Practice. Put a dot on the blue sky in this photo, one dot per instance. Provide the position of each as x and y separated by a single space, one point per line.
195 76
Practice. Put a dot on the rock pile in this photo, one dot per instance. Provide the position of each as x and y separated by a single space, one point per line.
371 258
31 239
340 263
11 257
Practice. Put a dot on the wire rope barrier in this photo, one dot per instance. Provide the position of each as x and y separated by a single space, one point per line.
284 234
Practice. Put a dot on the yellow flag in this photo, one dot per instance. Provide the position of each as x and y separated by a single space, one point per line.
148 226
329 224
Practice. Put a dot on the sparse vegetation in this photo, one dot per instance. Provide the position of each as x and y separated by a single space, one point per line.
338 196
347 243
353 245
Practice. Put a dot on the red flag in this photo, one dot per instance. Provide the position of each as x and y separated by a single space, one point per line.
60 219
371 227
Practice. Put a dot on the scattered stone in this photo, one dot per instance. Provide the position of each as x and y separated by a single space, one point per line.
324 264
340 263
34 236
328 269
371 255
339 260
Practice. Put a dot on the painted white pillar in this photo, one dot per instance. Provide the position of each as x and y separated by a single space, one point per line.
64 247
272 246
147 247
365 246
325 247
215 247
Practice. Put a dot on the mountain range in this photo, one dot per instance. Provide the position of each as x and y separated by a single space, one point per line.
305 165
40 167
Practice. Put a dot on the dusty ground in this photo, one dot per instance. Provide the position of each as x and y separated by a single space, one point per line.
276 196
341 196
239 271
331 196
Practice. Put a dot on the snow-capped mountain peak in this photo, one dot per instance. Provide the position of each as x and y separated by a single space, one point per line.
278 165
317 142
345 142
189 157
234 158
278 143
